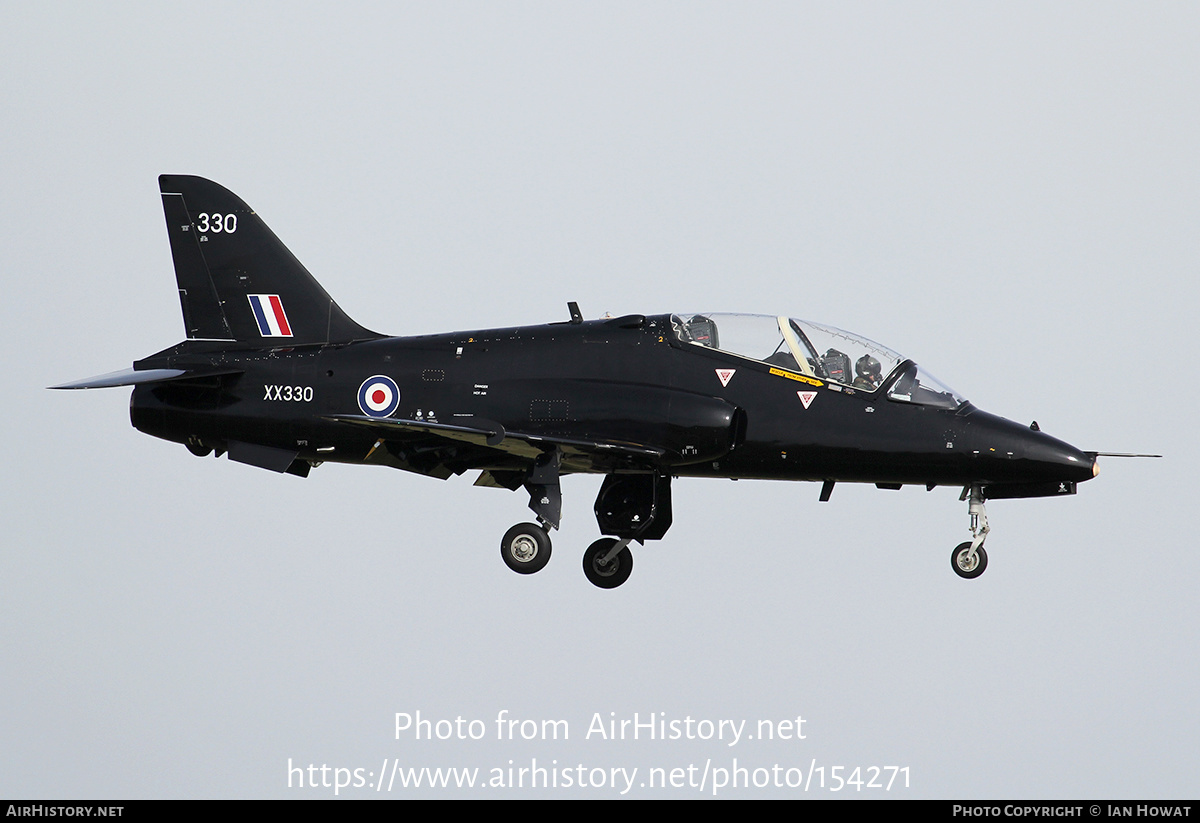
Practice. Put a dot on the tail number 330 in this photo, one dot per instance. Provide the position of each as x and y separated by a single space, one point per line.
216 223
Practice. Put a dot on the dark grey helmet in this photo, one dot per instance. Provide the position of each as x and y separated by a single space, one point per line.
868 366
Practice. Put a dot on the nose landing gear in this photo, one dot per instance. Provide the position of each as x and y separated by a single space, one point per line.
969 560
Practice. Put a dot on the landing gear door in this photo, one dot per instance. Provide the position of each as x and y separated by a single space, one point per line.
634 506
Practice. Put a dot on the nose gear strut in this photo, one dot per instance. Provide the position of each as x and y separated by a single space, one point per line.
969 559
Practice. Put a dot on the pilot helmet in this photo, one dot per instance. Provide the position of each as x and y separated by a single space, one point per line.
868 366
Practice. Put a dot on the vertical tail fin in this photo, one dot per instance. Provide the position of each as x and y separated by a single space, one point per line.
237 281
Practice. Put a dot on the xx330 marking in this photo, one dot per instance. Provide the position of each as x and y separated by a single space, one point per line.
298 394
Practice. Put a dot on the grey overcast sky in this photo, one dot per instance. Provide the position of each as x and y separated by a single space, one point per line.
1005 192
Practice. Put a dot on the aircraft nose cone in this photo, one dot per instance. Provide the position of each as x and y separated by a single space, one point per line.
1060 460
1018 452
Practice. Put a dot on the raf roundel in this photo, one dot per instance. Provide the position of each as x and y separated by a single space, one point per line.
378 396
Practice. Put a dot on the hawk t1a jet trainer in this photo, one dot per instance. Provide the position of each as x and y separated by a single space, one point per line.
274 374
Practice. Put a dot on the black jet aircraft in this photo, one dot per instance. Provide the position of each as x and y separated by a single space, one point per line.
274 374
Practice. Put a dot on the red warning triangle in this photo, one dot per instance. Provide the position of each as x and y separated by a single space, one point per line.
806 397
725 375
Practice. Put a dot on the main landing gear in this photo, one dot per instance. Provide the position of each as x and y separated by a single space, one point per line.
629 506
607 563
969 559
526 548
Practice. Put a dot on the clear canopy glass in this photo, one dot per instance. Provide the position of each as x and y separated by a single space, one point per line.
816 350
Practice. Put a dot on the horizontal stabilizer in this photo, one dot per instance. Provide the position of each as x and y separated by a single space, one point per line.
134 377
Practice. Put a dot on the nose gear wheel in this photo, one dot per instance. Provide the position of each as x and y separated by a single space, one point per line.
966 564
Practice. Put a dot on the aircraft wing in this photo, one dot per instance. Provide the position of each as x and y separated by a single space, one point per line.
491 435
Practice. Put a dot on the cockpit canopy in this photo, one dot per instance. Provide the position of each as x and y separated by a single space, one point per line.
816 350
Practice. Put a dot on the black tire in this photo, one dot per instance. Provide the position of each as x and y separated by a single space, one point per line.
958 560
611 574
525 548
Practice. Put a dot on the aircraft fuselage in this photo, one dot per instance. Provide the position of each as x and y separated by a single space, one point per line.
273 373
623 380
